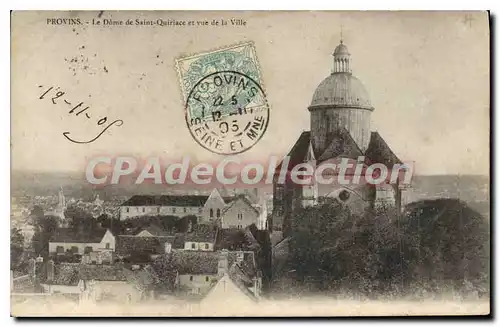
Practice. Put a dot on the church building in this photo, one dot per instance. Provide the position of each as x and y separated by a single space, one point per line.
340 113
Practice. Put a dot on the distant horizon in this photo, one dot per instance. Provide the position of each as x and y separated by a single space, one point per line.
83 172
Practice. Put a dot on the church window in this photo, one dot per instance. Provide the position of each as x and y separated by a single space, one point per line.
60 249
207 278
211 213
218 213
88 249
344 195
185 210
193 246
200 210
191 278
127 209
173 210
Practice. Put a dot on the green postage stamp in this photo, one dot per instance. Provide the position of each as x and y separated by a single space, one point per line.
225 104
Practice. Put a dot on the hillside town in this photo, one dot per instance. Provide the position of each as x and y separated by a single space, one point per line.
187 247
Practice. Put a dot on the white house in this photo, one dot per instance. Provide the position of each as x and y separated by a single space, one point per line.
164 205
238 286
208 208
196 271
201 238
228 294
79 242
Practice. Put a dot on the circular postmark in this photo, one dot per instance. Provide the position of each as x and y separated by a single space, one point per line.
227 112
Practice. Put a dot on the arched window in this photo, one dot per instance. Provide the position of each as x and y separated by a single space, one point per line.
211 213
218 213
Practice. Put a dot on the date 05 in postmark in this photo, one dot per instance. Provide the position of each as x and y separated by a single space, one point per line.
226 108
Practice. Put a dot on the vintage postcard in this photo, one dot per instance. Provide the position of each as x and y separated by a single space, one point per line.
240 163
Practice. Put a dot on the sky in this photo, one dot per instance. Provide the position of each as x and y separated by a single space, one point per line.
427 74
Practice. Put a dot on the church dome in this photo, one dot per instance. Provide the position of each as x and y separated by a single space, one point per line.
341 90
341 49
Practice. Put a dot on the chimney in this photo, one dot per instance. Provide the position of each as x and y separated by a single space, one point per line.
223 264
168 247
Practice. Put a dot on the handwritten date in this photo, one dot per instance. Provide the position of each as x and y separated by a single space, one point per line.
56 97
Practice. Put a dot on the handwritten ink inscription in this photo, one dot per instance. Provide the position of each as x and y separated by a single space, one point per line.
77 108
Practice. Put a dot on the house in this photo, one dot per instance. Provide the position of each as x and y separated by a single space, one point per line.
81 242
109 284
136 247
201 238
196 271
215 204
150 205
153 231
240 214
229 292
238 287
206 207
99 258
92 282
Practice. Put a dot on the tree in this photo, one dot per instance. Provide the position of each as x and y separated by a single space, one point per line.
45 229
16 248
165 272
184 224
80 219
448 242
36 213
436 244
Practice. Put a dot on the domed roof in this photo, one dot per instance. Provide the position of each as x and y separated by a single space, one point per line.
341 49
341 90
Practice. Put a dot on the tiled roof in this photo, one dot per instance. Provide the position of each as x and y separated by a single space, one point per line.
126 244
101 272
242 280
69 235
167 200
70 274
341 144
202 233
299 150
66 274
195 262
247 264
156 230
379 152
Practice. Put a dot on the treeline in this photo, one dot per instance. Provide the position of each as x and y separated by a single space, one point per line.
81 220
438 246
